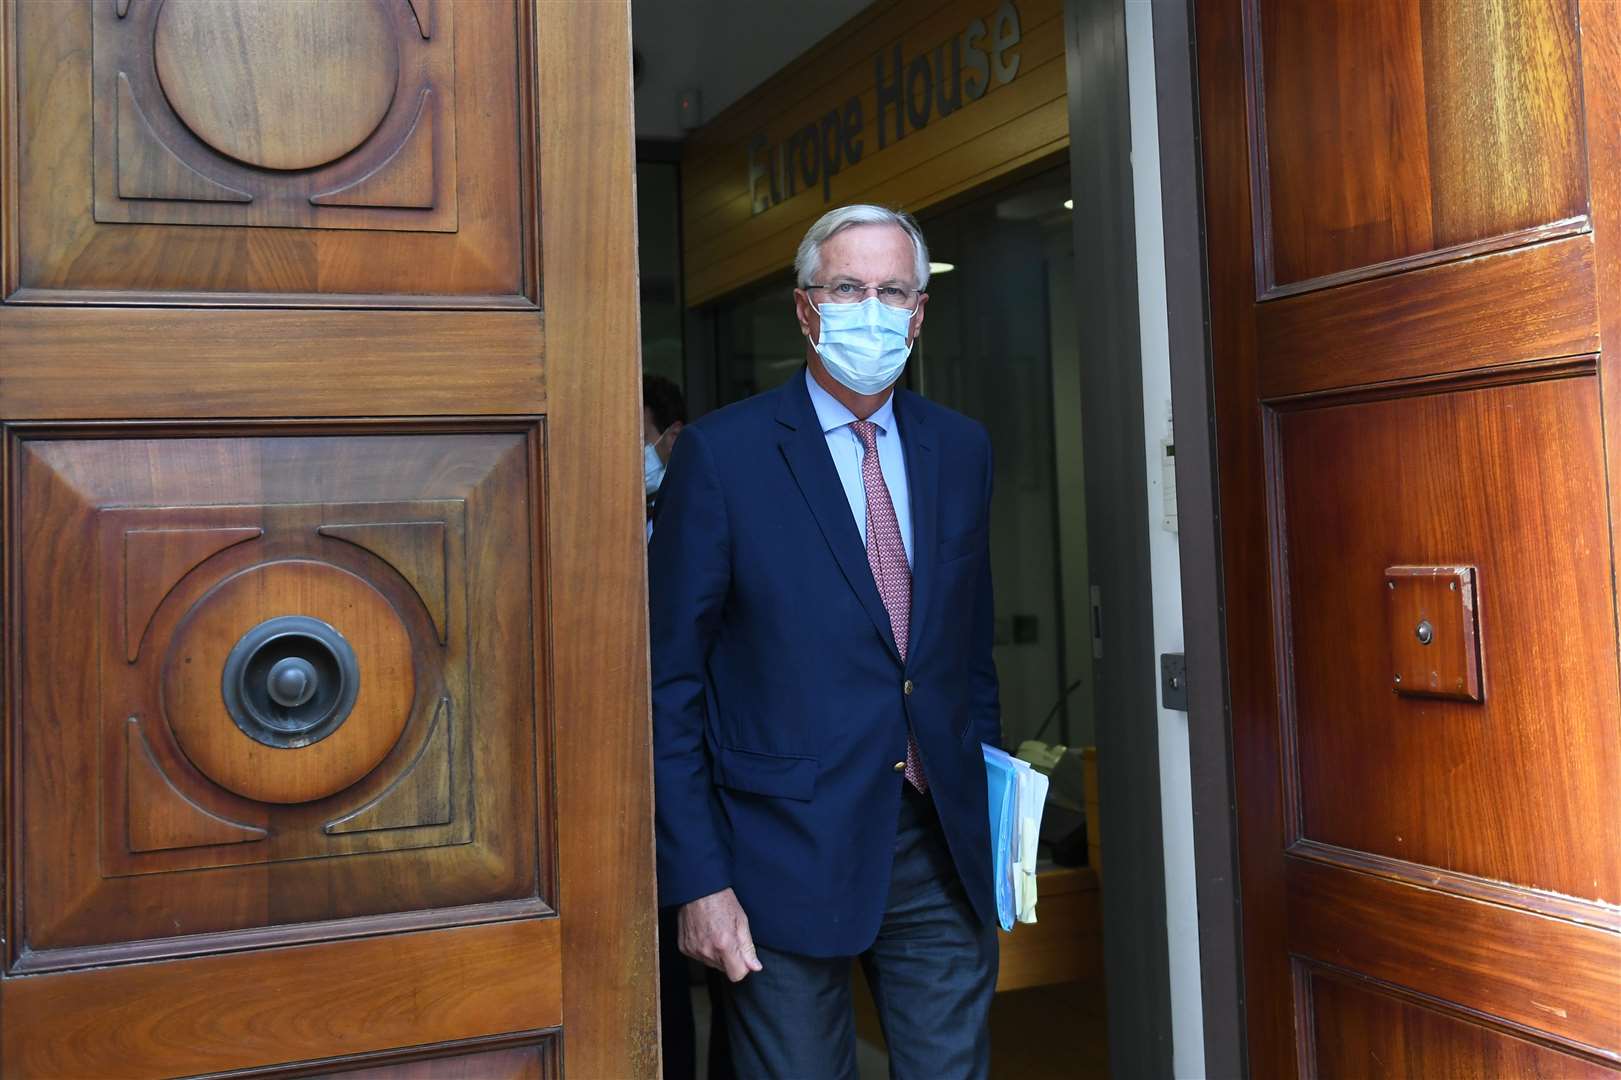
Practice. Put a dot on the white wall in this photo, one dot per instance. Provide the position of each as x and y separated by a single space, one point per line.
1176 793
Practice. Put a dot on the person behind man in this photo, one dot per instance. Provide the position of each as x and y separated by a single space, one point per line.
822 682
664 414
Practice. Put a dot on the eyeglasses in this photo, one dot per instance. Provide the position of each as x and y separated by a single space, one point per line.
848 292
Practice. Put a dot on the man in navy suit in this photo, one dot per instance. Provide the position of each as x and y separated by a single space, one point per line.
822 682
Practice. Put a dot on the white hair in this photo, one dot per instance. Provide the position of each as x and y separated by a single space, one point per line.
808 260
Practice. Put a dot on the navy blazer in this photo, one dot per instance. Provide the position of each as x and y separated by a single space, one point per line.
780 702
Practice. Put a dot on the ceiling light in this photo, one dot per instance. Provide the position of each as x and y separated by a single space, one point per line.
941 268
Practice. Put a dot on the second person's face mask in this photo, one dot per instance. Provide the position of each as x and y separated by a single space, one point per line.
864 346
652 468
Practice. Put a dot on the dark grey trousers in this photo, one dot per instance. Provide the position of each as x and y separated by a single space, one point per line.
932 972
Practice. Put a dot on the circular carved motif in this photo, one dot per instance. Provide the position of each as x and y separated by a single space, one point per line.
333 751
283 84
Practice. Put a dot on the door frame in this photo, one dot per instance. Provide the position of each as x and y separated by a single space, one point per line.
1215 826
1136 956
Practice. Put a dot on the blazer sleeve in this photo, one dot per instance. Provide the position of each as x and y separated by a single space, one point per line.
689 576
986 692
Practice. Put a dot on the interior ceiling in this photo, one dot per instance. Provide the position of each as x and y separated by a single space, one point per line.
721 48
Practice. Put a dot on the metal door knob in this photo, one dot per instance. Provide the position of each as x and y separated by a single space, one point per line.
290 681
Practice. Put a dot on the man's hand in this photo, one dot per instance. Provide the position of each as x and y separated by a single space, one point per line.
714 931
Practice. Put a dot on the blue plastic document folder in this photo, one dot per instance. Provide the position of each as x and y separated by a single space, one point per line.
1001 785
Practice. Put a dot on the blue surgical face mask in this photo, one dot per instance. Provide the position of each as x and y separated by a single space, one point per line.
652 468
864 346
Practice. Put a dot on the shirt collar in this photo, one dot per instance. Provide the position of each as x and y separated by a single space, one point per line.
832 413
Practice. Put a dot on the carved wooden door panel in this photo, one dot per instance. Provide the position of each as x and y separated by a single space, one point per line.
1414 216
325 701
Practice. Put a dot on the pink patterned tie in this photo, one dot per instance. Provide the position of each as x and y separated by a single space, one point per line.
886 554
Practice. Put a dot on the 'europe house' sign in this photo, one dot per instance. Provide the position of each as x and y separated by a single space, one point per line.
911 91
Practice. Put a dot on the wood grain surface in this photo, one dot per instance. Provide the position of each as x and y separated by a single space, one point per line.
1529 304
1446 408
526 1063
1368 1035
163 817
58 363
1434 631
1241 466
203 1015
179 363
1471 477
77 493
1601 86
1547 975
159 558
423 794
417 550
244 77
594 530
80 234
1463 122
200 647
10 254
516 1056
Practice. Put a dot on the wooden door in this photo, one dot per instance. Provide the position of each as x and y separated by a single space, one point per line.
1414 214
325 734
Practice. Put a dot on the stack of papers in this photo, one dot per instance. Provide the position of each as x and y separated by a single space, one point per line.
1017 795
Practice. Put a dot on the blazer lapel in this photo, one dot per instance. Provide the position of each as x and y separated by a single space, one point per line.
805 449
923 480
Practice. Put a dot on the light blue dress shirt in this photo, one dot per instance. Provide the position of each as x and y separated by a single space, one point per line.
845 446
